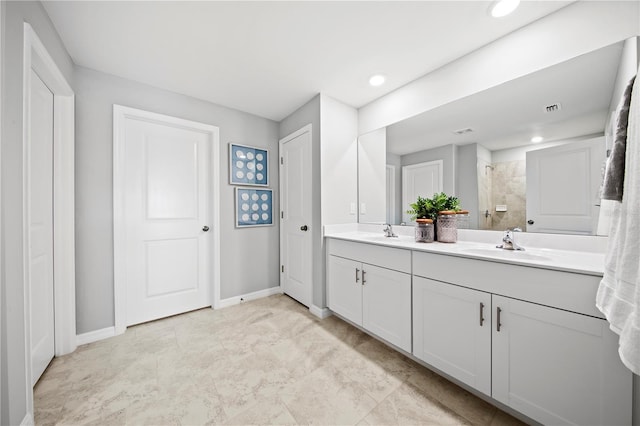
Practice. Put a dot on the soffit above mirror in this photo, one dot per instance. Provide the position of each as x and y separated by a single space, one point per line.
508 115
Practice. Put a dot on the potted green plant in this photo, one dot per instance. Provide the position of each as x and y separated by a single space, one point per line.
428 208
421 209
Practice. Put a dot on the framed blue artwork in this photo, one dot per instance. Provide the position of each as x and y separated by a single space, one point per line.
248 165
254 207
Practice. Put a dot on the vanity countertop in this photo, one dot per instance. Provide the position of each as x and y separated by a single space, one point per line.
582 262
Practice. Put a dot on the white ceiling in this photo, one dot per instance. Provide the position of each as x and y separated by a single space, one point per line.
268 58
510 114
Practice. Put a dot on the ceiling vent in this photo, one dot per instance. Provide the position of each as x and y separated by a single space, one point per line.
463 131
553 107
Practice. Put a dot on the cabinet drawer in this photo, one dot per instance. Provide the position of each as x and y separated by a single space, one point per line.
385 257
564 290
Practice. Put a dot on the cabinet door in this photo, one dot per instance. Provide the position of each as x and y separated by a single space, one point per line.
345 288
558 367
386 301
452 331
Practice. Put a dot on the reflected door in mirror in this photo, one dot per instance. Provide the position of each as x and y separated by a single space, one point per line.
562 187
422 179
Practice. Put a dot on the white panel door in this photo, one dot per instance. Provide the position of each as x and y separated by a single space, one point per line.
167 214
40 218
295 201
562 187
386 305
344 280
424 180
558 367
452 331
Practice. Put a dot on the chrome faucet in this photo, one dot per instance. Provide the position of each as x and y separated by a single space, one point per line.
509 241
388 230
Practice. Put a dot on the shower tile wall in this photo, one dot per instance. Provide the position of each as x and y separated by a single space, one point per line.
508 186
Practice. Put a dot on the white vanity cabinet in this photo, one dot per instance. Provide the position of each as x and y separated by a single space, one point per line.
557 365
345 288
452 331
371 287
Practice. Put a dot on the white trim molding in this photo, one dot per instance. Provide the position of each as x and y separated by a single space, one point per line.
27 420
96 335
36 58
321 313
120 115
236 300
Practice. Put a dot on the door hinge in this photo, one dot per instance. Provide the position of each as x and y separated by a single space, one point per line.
281 268
281 160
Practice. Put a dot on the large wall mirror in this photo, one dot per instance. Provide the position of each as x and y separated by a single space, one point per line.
480 149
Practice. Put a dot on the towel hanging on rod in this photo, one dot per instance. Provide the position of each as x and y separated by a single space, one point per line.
614 174
619 293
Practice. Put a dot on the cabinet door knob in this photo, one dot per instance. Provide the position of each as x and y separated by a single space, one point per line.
530 222
498 312
363 280
205 228
357 272
304 227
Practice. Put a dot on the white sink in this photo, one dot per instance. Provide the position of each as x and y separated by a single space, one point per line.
383 238
505 254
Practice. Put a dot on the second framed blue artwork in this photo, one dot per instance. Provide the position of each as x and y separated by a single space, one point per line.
254 207
248 165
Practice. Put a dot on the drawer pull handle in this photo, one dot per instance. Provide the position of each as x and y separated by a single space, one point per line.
499 311
481 313
357 277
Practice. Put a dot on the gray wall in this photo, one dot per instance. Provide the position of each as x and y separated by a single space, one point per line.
309 113
12 335
95 95
467 181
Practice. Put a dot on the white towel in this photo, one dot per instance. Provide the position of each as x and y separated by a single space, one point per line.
619 293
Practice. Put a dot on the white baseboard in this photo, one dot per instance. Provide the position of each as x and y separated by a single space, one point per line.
28 420
250 296
321 313
94 336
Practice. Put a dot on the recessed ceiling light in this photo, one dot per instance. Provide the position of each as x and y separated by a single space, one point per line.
504 7
537 139
377 80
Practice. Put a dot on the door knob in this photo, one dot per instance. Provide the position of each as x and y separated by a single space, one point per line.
205 228
530 222
304 227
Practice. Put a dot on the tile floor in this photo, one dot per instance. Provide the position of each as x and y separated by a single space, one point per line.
263 362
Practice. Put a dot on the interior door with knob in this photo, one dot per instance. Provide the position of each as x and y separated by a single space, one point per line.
40 225
296 270
167 216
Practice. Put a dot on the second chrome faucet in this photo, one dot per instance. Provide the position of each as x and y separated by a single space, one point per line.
509 241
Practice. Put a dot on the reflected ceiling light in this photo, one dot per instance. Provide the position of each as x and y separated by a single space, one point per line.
537 139
503 7
377 80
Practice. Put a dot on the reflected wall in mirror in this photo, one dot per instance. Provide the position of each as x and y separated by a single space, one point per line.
484 144
372 202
